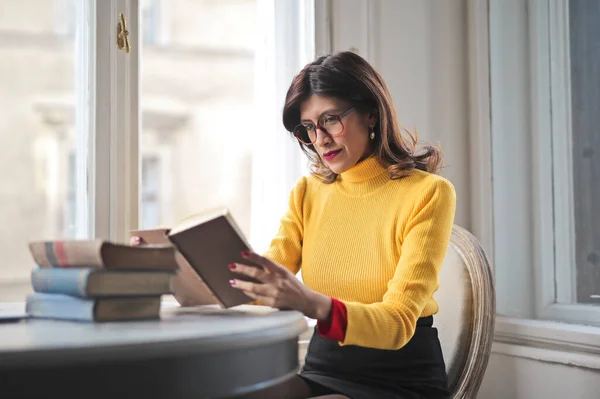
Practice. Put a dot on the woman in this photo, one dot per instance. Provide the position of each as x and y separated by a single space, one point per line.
370 228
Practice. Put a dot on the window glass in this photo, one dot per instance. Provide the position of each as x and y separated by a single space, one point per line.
197 76
42 188
584 43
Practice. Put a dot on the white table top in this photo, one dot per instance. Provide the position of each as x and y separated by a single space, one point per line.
180 330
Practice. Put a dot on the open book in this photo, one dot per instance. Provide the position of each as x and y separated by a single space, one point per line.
207 243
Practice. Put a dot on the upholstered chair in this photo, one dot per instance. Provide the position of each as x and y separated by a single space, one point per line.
465 321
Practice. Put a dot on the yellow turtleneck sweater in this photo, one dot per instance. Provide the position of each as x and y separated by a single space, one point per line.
374 243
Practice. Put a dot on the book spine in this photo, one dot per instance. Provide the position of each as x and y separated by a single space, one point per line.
67 253
55 254
61 281
58 306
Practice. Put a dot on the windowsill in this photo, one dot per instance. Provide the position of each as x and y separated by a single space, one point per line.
548 341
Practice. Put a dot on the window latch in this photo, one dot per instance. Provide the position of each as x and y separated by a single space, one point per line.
123 34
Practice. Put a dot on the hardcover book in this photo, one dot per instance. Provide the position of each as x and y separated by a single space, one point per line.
208 243
102 254
92 283
58 306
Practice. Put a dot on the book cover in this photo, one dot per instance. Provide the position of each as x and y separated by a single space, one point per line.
101 254
89 283
210 242
65 307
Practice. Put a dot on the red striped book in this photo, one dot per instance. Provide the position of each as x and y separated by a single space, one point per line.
102 254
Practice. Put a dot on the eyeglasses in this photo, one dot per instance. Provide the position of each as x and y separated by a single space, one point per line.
306 133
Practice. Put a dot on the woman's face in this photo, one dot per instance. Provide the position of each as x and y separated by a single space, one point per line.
342 152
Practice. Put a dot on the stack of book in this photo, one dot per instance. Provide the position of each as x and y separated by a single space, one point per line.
96 280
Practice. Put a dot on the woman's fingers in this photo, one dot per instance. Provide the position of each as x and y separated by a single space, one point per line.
262 290
262 299
134 241
266 263
257 273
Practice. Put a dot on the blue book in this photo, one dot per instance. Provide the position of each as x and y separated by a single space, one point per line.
59 306
90 283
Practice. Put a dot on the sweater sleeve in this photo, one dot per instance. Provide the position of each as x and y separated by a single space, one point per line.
286 246
334 327
424 241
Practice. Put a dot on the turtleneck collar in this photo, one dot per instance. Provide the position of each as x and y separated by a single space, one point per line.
363 177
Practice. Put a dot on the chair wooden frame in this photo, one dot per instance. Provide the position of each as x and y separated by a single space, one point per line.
481 332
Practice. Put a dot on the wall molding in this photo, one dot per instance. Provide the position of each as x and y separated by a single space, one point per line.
323 27
480 135
548 341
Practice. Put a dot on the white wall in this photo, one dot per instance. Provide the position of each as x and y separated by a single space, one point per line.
421 49
523 378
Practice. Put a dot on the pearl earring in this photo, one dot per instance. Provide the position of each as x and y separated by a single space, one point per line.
372 135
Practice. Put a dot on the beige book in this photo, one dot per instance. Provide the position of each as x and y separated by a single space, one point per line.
102 254
187 286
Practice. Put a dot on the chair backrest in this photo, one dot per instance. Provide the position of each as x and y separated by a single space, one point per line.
466 317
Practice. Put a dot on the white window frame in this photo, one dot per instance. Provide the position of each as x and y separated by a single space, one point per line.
106 140
557 299
114 165
530 105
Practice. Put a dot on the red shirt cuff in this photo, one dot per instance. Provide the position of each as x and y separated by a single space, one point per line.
335 326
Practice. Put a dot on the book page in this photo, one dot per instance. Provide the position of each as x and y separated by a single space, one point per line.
199 218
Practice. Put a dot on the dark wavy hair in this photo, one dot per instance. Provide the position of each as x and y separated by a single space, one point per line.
348 77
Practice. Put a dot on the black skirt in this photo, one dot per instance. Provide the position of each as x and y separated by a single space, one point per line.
417 370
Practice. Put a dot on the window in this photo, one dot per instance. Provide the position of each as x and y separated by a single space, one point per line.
206 73
65 17
545 97
39 194
150 192
70 205
78 162
154 22
211 99
584 57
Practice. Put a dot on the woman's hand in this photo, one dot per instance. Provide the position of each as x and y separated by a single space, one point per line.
135 241
280 288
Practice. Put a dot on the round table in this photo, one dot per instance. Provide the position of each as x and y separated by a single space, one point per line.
189 353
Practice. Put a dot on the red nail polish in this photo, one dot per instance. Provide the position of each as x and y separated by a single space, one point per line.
245 253
232 282
232 266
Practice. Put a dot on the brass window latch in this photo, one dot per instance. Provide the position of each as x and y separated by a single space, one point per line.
123 34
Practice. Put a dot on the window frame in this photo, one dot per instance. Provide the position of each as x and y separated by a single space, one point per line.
553 136
108 159
114 168
540 204
544 268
